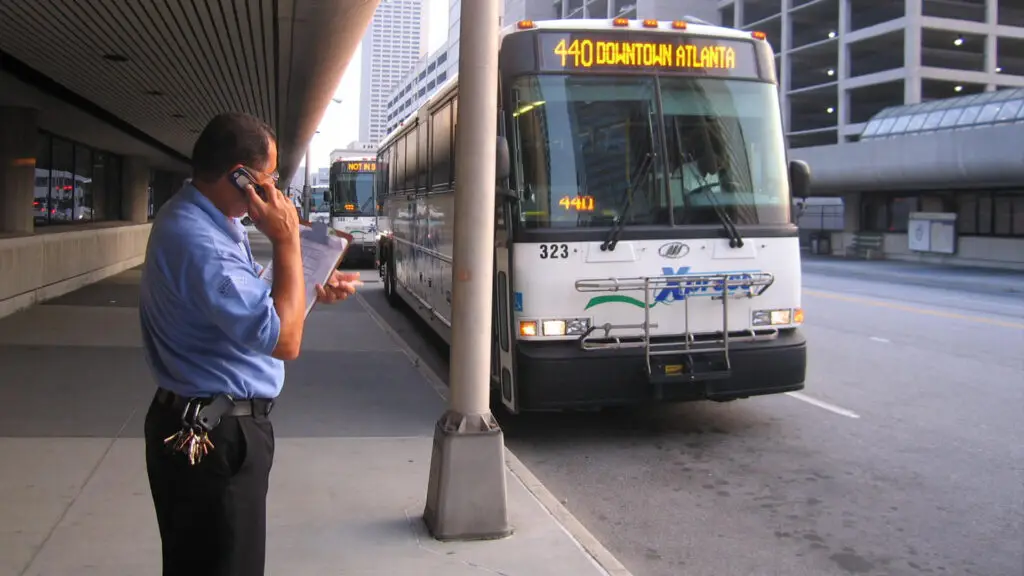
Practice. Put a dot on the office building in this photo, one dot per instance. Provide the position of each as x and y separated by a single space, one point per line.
353 149
433 70
390 48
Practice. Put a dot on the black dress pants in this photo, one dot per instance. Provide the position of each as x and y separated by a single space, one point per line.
212 516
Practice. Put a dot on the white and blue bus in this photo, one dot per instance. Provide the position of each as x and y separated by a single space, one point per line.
644 242
353 206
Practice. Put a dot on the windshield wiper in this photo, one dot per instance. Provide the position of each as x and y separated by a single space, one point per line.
735 240
639 177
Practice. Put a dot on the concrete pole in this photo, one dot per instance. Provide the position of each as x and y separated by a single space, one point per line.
307 191
466 494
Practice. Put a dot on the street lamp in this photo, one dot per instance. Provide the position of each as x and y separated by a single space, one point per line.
307 190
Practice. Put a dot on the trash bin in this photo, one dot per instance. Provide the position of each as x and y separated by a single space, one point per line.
825 245
814 245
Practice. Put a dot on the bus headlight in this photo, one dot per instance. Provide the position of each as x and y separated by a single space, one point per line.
775 317
569 327
577 326
560 327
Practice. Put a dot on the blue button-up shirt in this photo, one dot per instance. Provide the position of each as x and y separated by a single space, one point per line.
208 320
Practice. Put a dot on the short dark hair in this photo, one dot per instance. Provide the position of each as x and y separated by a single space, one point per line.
229 139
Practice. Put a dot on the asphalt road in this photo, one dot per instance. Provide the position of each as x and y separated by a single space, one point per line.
903 456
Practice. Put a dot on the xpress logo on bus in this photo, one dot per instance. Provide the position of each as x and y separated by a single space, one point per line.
676 290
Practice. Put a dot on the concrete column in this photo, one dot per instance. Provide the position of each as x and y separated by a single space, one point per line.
737 14
165 185
991 44
135 189
18 147
851 212
912 53
466 490
786 44
842 71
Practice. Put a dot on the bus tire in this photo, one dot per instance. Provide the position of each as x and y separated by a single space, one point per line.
389 282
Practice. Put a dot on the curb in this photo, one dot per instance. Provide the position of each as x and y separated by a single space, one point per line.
578 533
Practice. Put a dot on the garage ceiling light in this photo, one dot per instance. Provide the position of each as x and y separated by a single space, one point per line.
959 41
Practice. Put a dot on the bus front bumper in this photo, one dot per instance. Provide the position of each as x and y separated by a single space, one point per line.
362 252
554 375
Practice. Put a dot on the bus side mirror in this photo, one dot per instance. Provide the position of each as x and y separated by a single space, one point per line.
502 164
799 178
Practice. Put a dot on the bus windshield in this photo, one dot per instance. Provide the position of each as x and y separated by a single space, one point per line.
352 194
592 153
321 199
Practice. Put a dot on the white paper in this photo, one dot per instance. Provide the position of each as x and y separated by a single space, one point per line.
320 254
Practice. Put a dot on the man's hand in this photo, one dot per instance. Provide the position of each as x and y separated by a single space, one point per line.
276 218
339 287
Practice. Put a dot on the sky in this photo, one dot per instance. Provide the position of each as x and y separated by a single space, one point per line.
340 123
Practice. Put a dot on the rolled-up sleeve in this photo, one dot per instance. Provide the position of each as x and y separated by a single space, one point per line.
237 301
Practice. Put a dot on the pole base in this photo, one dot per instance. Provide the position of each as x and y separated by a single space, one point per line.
467 491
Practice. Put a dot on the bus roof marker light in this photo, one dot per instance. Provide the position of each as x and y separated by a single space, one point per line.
525 24
620 22
649 23
759 35
679 24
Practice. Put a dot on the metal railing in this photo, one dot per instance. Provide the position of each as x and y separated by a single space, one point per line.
723 287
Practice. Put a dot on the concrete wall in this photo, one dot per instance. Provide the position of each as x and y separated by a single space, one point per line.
39 264
978 251
43 266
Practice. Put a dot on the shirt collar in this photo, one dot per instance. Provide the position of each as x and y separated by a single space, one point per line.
231 226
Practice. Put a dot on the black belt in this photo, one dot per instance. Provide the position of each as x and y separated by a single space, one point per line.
244 407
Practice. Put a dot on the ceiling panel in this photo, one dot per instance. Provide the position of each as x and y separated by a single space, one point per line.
167 66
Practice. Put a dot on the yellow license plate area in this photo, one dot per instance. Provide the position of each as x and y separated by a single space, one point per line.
674 369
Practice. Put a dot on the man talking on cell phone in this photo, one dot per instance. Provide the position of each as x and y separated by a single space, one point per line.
216 336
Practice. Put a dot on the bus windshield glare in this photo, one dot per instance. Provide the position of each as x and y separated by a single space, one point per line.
352 194
595 150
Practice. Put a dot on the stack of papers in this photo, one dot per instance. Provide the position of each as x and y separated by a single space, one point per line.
323 249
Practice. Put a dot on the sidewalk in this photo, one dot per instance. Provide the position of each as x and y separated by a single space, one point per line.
354 435
970 279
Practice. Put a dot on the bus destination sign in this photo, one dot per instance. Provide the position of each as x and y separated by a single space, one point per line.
360 166
638 52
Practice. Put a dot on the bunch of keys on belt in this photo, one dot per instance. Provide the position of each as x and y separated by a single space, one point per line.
197 421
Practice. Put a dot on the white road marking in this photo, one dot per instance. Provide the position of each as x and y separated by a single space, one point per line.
882 340
822 404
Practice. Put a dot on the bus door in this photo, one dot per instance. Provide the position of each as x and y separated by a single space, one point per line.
505 306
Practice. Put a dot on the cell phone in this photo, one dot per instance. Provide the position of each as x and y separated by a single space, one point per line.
242 178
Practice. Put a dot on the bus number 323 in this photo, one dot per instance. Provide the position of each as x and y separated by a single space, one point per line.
554 251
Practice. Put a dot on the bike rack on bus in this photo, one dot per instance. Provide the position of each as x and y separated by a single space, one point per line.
724 287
